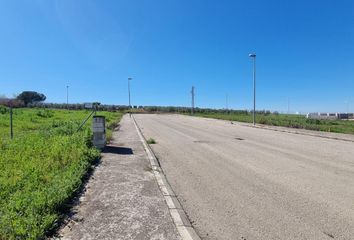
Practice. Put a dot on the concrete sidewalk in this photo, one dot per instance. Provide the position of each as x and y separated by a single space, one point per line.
122 200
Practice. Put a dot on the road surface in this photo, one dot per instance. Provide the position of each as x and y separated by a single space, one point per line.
239 182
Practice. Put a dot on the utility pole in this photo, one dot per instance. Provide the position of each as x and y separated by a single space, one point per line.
192 92
253 55
288 106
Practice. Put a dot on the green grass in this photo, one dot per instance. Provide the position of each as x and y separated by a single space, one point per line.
288 120
151 141
42 167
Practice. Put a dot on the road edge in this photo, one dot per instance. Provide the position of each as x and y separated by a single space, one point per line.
304 132
178 215
290 130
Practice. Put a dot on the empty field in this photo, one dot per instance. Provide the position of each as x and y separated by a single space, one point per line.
42 167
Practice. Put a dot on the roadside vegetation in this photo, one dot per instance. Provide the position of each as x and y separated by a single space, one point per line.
263 117
285 120
151 141
42 167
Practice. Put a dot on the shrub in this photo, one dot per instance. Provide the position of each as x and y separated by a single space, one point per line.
263 120
45 113
313 121
151 141
3 110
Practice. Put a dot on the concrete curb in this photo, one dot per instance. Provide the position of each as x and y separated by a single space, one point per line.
178 215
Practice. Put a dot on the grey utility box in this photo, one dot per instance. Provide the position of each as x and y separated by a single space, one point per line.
99 131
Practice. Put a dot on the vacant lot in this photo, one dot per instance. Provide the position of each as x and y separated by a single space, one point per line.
239 182
287 120
42 167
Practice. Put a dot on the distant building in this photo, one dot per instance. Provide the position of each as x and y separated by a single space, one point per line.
330 116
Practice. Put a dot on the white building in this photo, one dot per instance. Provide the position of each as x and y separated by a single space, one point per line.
330 116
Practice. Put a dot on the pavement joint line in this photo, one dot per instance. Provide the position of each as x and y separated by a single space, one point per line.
187 233
172 202
178 215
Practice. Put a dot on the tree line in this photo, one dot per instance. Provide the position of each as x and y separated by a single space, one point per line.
34 99
23 99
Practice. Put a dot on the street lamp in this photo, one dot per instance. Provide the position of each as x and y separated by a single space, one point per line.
227 102
129 79
67 97
253 55
192 92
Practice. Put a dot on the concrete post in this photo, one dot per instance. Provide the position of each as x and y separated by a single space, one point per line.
99 131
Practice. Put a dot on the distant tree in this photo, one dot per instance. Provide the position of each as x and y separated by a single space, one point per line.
29 97
8 102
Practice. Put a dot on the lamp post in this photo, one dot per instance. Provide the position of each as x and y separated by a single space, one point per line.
253 55
227 102
129 79
192 92
67 97
347 103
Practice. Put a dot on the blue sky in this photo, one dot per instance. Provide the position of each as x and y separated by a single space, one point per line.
305 52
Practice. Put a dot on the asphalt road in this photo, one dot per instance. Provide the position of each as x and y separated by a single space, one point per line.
239 182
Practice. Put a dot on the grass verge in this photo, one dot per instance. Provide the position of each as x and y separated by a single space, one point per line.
288 120
42 167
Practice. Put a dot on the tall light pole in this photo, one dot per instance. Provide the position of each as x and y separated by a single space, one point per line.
129 79
253 55
227 101
192 92
67 97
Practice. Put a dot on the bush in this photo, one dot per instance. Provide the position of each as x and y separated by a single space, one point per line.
45 113
151 141
263 120
3 110
313 121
